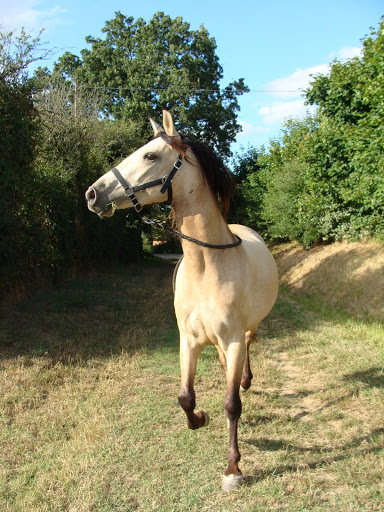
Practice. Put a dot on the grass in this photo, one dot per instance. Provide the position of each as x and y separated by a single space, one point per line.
89 420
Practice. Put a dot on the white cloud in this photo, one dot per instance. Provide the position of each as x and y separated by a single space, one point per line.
348 52
278 112
288 88
292 85
250 130
25 13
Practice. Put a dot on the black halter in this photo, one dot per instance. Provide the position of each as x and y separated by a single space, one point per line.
165 182
166 185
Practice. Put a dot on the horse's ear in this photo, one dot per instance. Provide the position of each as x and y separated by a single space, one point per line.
168 124
156 127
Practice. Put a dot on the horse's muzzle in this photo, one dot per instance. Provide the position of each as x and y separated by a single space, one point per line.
90 196
101 211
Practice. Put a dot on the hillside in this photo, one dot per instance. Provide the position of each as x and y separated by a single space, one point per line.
345 276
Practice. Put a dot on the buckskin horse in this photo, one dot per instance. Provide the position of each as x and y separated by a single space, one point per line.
227 280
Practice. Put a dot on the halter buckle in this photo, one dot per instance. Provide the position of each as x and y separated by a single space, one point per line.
168 182
178 163
137 206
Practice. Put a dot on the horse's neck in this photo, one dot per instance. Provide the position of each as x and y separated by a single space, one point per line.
198 216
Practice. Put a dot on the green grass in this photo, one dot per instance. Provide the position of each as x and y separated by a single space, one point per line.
89 421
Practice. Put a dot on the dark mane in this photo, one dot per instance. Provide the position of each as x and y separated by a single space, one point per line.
214 171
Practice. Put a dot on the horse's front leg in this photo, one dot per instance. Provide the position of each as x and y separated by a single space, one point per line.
233 477
189 354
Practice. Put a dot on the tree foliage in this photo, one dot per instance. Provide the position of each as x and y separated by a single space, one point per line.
61 130
249 190
145 67
52 146
325 176
17 114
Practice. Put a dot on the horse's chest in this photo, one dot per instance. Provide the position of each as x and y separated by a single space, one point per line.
206 317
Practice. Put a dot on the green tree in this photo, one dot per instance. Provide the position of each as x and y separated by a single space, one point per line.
249 190
347 153
52 146
323 179
17 141
73 150
145 67
280 208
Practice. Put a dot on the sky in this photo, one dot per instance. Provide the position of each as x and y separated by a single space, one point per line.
275 45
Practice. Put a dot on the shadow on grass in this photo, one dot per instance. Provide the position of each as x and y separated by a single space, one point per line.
110 313
340 453
128 310
373 377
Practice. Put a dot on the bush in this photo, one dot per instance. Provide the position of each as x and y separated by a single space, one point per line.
280 202
53 146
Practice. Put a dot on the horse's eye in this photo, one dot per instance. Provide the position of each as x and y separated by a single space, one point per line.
150 156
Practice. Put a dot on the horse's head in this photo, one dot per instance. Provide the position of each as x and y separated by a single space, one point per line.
149 165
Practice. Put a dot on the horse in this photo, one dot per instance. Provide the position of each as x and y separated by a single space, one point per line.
227 281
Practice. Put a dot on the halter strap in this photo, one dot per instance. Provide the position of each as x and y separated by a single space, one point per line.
166 183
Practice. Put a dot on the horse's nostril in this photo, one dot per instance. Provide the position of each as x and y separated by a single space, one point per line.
90 195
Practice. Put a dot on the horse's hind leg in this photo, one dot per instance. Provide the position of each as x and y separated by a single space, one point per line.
189 354
247 373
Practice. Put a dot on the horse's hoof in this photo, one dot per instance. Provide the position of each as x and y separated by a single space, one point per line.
243 390
205 416
232 482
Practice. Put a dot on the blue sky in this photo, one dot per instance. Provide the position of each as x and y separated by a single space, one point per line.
273 45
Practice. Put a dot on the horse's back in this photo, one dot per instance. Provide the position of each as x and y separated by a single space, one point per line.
256 252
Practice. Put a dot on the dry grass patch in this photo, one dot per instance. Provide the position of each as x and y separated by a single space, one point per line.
348 276
89 377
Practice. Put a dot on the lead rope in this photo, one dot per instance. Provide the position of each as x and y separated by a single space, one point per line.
177 234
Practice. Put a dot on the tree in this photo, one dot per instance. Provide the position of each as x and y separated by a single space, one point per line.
348 149
17 52
280 207
74 148
17 139
323 179
145 67
53 146
249 190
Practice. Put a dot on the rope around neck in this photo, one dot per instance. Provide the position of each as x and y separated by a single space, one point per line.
176 233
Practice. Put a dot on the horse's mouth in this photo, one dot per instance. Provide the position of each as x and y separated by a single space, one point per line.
108 211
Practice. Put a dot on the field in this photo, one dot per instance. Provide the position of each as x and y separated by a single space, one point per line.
89 419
